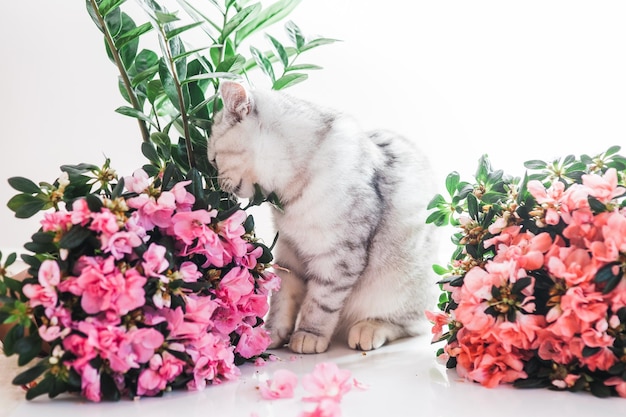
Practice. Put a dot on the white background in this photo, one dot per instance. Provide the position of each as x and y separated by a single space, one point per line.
516 80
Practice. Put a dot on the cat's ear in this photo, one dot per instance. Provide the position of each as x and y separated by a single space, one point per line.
236 99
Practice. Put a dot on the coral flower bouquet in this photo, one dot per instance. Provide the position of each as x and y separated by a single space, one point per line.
142 283
535 293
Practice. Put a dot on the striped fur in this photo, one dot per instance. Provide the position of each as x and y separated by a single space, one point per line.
352 234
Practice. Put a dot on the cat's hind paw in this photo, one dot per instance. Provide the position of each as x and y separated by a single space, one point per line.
305 342
370 334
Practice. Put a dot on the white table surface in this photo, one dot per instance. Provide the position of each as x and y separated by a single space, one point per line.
404 379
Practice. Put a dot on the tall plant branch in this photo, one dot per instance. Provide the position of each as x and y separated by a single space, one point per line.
120 66
179 92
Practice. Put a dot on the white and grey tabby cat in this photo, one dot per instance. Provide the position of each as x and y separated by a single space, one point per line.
352 235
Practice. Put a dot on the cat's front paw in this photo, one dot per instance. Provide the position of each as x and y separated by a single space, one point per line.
305 342
367 335
279 337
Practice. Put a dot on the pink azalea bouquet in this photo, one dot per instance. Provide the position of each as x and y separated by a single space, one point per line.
136 290
153 281
535 293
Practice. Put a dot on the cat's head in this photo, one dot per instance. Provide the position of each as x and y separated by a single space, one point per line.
230 147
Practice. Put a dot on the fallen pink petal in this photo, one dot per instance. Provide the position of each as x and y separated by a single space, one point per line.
281 385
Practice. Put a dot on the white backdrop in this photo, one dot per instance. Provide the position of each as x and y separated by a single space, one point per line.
515 80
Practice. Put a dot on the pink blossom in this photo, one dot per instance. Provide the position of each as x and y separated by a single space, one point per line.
153 212
618 383
325 408
572 264
44 293
550 199
237 283
281 385
253 341
184 199
154 262
56 221
138 182
162 369
327 381
189 226
439 319
189 272
104 222
604 188
120 244
80 213
90 383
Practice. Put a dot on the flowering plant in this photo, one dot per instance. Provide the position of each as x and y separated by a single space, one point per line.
152 281
535 293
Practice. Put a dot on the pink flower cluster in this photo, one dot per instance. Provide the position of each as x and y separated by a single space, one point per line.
157 295
326 386
545 294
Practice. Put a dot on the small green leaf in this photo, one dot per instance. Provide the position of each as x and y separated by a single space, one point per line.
272 14
24 185
289 80
106 6
303 67
314 43
132 35
137 114
31 374
452 182
25 205
295 34
74 238
149 151
177 31
280 50
238 19
264 63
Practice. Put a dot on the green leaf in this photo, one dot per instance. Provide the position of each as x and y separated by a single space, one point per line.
74 238
207 76
31 374
43 387
149 151
11 338
280 50
318 42
289 80
164 18
177 31
25 205
303 67
137 114
265 18
436 201
295 34
452 182
27 348
106 6
232 64
263 62
132 35
24 185
238 19
472 206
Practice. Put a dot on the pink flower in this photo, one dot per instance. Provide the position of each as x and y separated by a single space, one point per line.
154 262
162 369
104 222
184 199
120 244
439 319
44 293
604 188
189 226
237 283
325 408
281 385
618 383
253 341
80 213
90 383
57 221
189 271
327 381
138 182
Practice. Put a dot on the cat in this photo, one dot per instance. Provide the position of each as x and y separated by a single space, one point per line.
353 246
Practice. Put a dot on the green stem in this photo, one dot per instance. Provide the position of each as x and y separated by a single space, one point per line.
120 66
181 100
